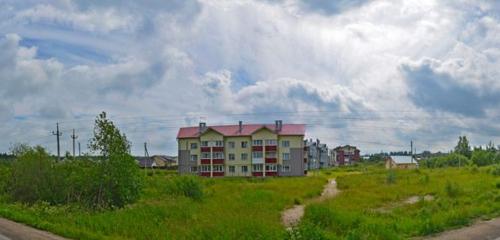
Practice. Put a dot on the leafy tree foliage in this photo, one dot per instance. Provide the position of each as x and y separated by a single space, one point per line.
110 180
119 180
463 146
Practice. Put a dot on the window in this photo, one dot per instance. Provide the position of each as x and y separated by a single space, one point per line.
231 144
205 168
286 168
244 144
270 154
205 155
286 156
218 155
232 169
257 167
194 157
204 143
244 169
244 156
257 143
194 145
271 142
257 154
285 143
219 143
218 168
194 169
271 168
231 157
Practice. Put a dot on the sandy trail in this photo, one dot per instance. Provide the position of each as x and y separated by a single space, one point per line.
13 230
291 217
484 230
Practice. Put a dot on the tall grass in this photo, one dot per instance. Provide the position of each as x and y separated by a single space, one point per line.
460 195
236 208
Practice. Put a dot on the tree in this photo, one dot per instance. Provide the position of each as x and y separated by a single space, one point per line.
463 146
119 181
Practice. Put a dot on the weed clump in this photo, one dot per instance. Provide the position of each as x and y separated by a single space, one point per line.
496 170
391 177
452 189
188 186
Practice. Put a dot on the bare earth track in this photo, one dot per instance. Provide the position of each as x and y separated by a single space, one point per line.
485 230
291 217
14 231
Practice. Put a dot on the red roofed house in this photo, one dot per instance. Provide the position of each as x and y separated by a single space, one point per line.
242 150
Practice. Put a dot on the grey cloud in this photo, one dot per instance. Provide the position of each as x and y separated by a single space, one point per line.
329 7
435 90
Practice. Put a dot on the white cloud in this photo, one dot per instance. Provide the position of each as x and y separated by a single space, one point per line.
218 58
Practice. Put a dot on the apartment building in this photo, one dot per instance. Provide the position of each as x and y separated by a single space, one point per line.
242 150
317 154
345 155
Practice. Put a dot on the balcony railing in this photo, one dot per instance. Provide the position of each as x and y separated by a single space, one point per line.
205 161
218 161
257 148
271 160
257 160
218 149
205 149
271 148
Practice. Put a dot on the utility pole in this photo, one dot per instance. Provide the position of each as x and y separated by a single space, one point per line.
74 137
411 151
79 152
58 134
146 155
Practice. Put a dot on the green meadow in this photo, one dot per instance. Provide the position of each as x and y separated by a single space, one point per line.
377 205
242 208
372 205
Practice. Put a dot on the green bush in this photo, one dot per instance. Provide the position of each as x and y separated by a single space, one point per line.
391 177
452 189
186 185
496 170
306 231
482 157
498 185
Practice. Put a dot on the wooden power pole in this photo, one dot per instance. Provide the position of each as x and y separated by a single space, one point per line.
58 134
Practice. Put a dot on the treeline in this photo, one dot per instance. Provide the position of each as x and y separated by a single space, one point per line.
111 180
464 155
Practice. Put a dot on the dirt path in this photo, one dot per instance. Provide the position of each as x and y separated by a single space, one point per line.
291 217
485 230
15 231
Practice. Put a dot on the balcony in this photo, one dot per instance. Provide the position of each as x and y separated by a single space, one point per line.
205 161
205 174
218 149
271 174
218 174
218 161
205 149
271 148
257 148
257 174
271 160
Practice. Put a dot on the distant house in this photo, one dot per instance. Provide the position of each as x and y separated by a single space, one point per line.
146 162
316 154
345 155
400 162
157 161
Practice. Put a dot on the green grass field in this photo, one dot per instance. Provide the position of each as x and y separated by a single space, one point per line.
230 209
370 206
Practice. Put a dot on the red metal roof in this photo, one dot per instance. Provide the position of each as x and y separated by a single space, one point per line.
248 129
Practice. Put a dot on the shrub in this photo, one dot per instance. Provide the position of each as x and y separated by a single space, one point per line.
297 201
452 189
391 177
496 170
482 157
186 185
498 185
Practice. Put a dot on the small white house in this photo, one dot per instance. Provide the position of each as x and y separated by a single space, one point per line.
400 162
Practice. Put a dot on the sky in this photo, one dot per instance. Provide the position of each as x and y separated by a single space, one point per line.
375 74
